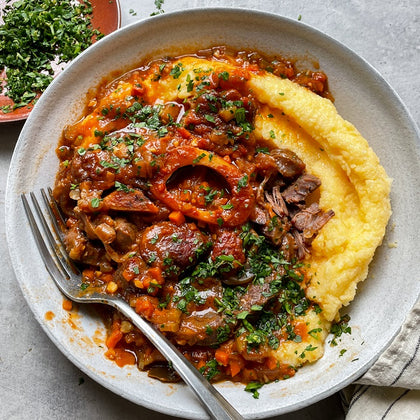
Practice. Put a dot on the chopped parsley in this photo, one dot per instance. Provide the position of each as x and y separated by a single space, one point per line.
224 75
227 206
240 115
243 182
263 150
159 10
210 369
210 118
198 158
340 328
176 71
122 187
314 333
211 194
35 34
253 387
95 202
154 239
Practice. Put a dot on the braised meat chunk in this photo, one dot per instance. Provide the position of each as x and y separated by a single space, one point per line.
171 247
299 191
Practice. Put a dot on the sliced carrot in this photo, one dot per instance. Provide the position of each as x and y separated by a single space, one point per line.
128 275
123 357
114 338
145 307
107 277
222 357
235 367
300 328
177 217
271 362
156 274
201 364
88 274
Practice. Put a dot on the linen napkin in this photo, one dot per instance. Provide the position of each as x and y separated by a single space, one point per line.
390 389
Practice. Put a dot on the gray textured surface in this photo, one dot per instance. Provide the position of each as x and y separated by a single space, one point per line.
36 381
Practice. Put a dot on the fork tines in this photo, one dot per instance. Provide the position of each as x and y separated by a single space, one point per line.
48 235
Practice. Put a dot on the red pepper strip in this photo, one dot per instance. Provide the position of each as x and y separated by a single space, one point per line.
242 197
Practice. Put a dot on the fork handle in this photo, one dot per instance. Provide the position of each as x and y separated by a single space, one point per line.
214 403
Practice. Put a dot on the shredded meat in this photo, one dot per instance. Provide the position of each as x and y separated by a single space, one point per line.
277 203
311 220
258 294
299 191
75 240
275 229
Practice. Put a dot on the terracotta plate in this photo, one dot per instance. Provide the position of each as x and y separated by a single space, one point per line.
106 17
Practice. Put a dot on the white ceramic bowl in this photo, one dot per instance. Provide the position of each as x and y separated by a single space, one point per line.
361 96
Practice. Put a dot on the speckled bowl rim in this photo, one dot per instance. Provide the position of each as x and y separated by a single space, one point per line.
349 75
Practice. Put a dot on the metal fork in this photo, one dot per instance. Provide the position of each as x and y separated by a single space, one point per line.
68 279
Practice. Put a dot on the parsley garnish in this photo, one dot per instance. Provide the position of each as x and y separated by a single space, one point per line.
243 182
95 202
224 75
227 206
198 158
210 118
122 187
342 351
154 239
159 10
211 194
313 333
36 33
263 150
254 387
339 328
240 115
176 71
210 369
